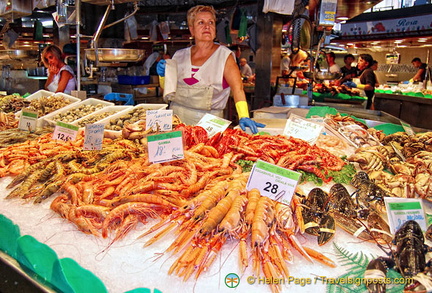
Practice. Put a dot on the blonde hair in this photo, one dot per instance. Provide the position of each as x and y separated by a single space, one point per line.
192 13
53 49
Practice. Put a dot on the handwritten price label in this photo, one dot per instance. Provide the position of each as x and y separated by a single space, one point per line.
301 128
273 181
159 120
165 147
93 136
64 131
28 120
213 124
400 210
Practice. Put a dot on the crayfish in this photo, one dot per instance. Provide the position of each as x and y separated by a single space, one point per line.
409 259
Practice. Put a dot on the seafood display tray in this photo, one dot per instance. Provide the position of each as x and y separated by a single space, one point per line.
43 93
48 119
147 267
118 133
116 108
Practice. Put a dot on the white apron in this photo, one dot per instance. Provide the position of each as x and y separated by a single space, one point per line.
192 102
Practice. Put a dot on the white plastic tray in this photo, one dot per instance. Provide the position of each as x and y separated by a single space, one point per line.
48 119
116 109
117 133
43 93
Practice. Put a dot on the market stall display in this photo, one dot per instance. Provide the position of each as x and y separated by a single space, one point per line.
117 194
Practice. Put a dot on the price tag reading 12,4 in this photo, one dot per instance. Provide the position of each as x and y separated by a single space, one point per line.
273 181
28 120
65 132
165 147
400 210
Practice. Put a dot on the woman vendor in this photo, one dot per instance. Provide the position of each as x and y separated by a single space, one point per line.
206 74
367 78
61 77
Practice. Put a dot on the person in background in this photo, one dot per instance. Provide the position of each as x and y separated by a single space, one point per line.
332 66
245 69
375 68
421 72
348 71
285 65
206 74
237 53
367 78
61 77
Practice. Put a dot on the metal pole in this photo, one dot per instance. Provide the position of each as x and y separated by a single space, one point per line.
78 40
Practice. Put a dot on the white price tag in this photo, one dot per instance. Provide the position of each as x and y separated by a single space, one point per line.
28 120
213 124
65 132
165 147
273 181
400 210
299 127
93 136
159 120
407 128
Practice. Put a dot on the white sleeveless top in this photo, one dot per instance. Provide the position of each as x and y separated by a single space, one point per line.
71 85
208 74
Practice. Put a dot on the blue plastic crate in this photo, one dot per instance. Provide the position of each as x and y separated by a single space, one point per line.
133 80
121 97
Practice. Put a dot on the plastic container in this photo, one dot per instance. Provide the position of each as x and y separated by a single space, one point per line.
116 109
133 80
290 101
43 93
126 99
117 133
49 119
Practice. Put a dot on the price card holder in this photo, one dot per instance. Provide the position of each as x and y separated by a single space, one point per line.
273 181
28 120
213 124
400 210
299 127
64 131
408 129
93 136
165 147
159 120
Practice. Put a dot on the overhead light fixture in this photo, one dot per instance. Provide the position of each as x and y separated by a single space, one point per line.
342 18
398 41
422 40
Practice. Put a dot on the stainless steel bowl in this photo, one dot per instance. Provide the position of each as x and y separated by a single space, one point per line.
327 75
115 55
18 54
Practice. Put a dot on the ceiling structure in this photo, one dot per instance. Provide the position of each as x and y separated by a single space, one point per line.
393 40
346 9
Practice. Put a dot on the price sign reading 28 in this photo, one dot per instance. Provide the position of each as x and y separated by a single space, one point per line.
273 181
165 147
64 131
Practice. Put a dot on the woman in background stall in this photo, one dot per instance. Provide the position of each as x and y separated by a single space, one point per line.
61 77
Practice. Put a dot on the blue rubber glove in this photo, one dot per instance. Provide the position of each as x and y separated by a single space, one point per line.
247 122
160 67
350 84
